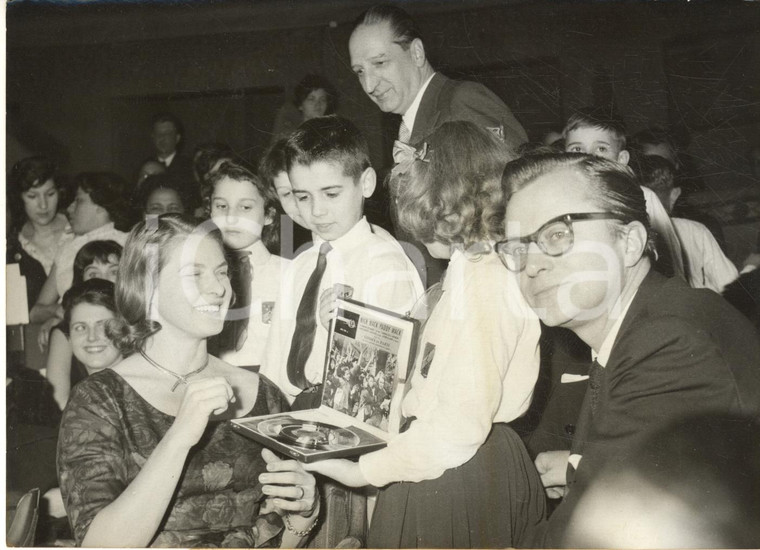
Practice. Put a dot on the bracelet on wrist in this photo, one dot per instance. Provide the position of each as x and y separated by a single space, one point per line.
296 532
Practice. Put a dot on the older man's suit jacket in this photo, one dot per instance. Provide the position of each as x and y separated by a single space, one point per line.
679 351
448 100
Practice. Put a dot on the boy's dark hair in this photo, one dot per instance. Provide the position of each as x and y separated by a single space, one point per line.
655 135
270 234
330 139
97 292
107 190
656 173
312 82
274 161
94 251
206 156
155 182
603 118
402 25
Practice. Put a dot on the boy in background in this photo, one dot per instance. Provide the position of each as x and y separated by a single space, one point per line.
273 170
706 264
596 131
331 176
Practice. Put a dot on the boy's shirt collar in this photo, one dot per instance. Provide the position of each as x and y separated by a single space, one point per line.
259 253
355 237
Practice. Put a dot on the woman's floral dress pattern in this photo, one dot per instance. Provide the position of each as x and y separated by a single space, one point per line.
108 432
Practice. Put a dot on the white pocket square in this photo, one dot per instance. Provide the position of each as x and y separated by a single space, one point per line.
570 378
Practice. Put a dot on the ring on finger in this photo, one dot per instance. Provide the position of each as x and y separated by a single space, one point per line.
302 492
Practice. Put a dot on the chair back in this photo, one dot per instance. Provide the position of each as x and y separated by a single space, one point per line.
24 524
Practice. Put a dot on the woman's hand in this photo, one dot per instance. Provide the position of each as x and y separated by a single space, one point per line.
43 337
202 399
292 489
344 471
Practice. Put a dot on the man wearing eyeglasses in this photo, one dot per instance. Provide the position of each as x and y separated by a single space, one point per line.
578 237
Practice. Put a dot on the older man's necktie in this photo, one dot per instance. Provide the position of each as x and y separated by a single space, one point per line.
404 133
306 323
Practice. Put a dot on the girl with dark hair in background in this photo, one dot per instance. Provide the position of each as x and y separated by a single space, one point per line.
37 230
96 260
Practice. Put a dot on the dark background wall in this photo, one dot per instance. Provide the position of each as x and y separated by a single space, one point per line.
84 80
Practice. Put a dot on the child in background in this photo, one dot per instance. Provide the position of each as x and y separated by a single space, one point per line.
472 481
273 169
159 194
596 131
245 209
329 169
706 264
95 260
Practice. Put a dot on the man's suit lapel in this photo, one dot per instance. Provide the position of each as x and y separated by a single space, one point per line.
428 113
649 286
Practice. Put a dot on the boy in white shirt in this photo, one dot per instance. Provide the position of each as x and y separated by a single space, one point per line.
707 265
330 173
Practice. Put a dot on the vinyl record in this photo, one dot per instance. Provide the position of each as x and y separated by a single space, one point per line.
317 435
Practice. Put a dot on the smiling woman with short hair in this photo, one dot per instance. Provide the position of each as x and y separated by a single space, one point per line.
145 455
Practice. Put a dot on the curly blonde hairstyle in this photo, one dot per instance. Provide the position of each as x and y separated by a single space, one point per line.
453 195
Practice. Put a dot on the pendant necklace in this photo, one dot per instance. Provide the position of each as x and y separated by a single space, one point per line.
181 379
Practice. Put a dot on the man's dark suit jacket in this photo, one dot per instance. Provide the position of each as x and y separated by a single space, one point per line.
447 100
679 351
181 170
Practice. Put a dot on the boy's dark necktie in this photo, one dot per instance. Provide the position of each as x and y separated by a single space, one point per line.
241 276
306 323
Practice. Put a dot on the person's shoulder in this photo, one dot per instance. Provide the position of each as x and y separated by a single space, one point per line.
467 91
667 312
673 297
97 391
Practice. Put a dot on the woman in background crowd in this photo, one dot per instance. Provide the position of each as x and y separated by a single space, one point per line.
97 260
37 228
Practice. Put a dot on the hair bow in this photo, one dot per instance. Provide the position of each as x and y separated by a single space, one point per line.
404 156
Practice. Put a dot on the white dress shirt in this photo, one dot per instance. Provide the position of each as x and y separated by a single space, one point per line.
374 266
411 113
267 270
707 266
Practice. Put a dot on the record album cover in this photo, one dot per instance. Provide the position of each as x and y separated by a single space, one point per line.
366 365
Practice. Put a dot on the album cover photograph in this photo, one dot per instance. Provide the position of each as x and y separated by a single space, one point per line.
366 365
